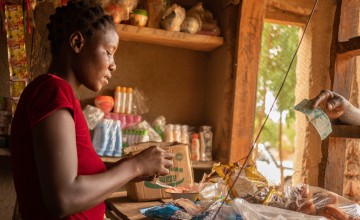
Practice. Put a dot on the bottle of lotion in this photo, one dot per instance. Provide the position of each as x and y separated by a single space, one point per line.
117 96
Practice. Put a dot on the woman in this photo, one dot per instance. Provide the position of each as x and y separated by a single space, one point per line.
336 106
57 174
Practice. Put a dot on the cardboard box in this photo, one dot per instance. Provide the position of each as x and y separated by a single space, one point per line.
180 174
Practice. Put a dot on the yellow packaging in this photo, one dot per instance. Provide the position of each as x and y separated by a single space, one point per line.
16 87
16 41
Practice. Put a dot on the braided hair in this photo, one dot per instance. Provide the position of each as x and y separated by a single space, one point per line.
77 15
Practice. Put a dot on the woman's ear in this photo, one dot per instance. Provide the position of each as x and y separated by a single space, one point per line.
76 41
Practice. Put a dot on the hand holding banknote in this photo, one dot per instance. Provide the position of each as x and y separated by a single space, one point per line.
336 106
316 116
333 104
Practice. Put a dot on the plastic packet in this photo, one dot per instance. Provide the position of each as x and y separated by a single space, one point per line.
250 211
317 201
159 126
107 139
153 135
139 103
92 116
213 190
247 183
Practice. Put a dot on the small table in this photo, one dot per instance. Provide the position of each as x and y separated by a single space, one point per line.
128 209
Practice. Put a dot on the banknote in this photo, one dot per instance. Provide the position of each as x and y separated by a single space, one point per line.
316 116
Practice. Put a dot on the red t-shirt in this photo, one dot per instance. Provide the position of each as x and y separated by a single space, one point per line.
40 98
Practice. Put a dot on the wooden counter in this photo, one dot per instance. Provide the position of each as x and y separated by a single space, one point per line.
119 206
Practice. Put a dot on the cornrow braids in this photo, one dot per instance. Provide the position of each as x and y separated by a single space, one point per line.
77 15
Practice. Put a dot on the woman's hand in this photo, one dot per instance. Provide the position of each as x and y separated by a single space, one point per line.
154 161
333 104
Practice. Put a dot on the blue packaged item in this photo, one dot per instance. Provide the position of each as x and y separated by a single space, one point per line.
100 138
111 133
164 211
118 139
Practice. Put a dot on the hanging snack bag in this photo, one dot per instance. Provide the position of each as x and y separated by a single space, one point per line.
16 41
17 86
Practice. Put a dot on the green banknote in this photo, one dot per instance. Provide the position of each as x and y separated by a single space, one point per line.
316 116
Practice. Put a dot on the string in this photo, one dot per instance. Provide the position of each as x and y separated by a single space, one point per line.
267 116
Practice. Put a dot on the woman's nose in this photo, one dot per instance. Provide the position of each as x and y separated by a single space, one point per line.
112 66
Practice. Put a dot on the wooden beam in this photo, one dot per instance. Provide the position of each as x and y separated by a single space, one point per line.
279 16
350 48
344 72
300 7
334 173
246 71
345 131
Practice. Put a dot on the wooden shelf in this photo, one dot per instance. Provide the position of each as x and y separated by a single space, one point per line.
4 152
169 38
110 159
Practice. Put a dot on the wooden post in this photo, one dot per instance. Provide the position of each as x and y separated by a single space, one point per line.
248 57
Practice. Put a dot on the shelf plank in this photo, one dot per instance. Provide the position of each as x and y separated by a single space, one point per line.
4 152
345 131
110 159
350 48
169 38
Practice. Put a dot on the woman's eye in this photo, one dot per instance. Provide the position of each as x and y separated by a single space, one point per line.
108 53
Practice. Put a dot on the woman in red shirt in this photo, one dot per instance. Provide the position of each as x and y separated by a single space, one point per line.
57 173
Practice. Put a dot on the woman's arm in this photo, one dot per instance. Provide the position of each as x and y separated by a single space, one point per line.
56 156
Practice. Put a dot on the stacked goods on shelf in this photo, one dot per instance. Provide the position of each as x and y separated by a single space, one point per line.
114 124
16 51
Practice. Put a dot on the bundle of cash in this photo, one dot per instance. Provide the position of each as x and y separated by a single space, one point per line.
316 116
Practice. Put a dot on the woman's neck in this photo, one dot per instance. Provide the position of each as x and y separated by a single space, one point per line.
62 70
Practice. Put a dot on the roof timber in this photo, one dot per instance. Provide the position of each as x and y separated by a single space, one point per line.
301 7
293 12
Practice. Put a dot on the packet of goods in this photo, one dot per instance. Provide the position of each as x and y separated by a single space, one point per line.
16 41
316 116
247 183
17 86
313 200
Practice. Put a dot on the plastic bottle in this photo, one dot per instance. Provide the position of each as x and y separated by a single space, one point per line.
145 136
177 133
208 142
169 136
129 93
117 97
123 99
202 146
184 134
195 147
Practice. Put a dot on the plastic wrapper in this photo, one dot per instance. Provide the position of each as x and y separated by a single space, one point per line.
139 103
159 126
17 87
16 41
93 116
189 211
156 10
107 139
250 211
248 182
173 17
153 135
212 191
317 201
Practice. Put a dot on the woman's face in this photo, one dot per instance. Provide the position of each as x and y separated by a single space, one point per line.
95 61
